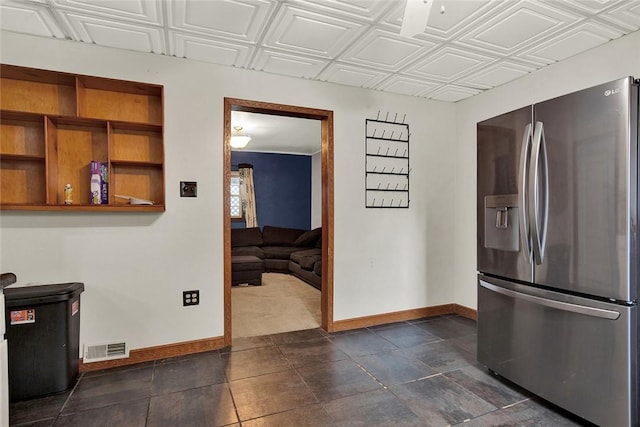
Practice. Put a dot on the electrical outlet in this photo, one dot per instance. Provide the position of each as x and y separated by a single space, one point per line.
190 297
188 189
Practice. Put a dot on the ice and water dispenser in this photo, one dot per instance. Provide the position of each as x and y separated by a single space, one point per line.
501 226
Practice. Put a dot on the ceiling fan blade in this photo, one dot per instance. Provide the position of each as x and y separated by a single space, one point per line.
416 16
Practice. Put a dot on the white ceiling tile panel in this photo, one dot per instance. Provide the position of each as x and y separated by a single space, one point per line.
29 18
493 53
586 6
572 42
627 14
361 10
404 85
495 75
458 16
352 76
516 29
522 24
287 64
451 93
309 32
385 50
448 64
117 34
571 45
206 50
144 11
243 20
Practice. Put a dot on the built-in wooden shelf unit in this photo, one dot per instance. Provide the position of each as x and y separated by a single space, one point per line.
52 125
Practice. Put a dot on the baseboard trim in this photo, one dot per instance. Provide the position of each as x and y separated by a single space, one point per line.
467 312
158 352
401 316
198 346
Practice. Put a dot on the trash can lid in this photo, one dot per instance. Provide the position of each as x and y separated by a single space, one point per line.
41 294
7 279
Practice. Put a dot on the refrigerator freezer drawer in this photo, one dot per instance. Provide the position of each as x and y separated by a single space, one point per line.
577 353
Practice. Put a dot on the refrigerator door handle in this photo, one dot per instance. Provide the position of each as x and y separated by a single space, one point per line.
558 305
537 190
525 151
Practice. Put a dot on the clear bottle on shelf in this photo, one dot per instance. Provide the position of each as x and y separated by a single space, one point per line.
68 194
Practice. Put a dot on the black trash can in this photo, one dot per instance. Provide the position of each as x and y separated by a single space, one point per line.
43 336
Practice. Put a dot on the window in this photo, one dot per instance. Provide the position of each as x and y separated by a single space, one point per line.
235 200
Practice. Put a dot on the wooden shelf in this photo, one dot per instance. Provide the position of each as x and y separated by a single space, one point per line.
22 181
136 144
85 208
21 135
137 181
133 163
53 125
136 102
22 157
37 91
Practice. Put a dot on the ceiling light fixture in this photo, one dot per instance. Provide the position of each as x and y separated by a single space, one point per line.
237 139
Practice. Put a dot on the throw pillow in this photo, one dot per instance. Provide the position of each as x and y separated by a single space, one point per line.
309 238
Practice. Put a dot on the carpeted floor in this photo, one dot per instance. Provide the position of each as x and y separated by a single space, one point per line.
283 303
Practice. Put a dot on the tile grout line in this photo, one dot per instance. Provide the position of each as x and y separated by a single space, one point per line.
153 375
235 407
66 401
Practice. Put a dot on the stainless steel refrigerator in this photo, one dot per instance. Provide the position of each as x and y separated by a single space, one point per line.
558 250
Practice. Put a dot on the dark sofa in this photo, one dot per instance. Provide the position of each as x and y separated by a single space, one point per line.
282 250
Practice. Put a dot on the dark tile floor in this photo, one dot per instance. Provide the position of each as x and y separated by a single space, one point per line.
418 373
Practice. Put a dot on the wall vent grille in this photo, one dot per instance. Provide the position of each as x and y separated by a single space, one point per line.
108 351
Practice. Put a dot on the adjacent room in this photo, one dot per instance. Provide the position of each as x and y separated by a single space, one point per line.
275 203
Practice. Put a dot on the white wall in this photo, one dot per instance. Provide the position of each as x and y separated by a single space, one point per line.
316 190
135 266
614 60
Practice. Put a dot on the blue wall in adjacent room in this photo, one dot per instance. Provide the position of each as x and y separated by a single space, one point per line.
282 184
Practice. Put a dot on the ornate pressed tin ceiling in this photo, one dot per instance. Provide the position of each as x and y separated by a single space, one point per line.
473 46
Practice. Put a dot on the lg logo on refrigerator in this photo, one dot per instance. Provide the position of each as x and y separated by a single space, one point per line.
612 91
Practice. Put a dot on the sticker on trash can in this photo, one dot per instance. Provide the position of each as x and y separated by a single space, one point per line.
75 307
21 317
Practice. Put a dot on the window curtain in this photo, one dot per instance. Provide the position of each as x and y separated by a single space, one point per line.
248 195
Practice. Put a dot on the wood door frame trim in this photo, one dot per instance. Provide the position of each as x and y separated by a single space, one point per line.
326 120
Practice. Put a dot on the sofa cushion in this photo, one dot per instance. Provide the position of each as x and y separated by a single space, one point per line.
278 252
298 255
306 258
308 276
309 238
280 236
247 251
246 237
317 267
277 266
309 261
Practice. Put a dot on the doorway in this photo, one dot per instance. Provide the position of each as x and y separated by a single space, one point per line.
326 119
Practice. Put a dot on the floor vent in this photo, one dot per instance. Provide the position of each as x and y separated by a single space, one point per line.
109 351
